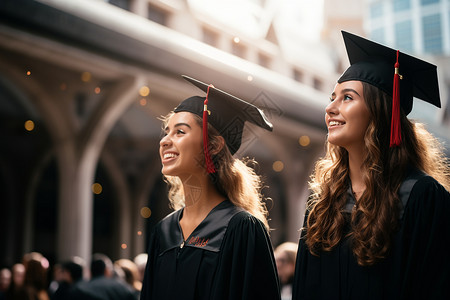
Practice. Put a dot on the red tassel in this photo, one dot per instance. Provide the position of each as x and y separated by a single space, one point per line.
209 163
396 135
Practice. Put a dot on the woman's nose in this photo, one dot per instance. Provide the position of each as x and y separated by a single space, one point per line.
332 108
165 141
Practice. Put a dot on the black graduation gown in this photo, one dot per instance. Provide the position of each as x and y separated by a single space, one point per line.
417 267
228 256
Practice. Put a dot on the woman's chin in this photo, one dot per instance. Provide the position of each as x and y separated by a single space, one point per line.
166 171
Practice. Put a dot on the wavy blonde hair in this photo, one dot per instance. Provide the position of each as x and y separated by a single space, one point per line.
375 219
235 178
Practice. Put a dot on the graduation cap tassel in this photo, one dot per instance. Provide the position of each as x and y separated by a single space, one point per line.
396 136
209 164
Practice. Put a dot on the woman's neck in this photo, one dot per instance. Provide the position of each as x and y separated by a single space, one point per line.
201 197
356 171
199 191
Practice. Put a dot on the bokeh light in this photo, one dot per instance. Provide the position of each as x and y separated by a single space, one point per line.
86 76
146 212
29 125
124 246
97 90
250 78
139 232
97 188
28 73
278 166
143 102
304 140
236 40
144 91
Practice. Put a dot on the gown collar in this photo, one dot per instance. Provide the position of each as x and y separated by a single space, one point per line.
403 192
208 235
351 201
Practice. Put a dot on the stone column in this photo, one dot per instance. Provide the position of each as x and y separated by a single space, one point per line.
78 158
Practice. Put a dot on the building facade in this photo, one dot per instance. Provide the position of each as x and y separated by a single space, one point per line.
82 86
420 28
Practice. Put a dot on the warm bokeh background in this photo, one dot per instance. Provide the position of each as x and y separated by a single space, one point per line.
82 83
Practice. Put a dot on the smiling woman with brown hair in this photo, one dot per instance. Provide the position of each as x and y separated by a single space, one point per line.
216 244
378 214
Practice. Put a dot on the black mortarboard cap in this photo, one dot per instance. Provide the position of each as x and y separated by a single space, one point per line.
376 64
227 113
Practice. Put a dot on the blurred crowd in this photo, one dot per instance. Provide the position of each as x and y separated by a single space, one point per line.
103 279
35 279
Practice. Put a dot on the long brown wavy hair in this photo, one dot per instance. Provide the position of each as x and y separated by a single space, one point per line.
236 179
375 218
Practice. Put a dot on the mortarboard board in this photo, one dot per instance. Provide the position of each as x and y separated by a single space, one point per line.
226 113
377 64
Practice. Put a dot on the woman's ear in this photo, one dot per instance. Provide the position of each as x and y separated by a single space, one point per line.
219 143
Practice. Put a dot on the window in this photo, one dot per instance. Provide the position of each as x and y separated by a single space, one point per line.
404 36
158 15
124 4
264 60
376 10
210 37
298 75
400 5
426 2
238 49
317 84
432 35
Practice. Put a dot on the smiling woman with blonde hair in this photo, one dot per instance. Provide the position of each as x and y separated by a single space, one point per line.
215 245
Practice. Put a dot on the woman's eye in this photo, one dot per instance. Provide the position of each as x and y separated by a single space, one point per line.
179 131
331 99
348 97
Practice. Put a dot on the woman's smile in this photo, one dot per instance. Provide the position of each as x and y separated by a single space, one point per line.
169 156
181 149
347 116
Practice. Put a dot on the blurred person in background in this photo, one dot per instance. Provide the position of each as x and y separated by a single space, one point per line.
102 285
5 281
285 255
131 273
36 267
18 275
141 261
56 280
16 290
71 275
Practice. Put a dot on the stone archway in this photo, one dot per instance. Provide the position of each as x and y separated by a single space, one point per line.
76 145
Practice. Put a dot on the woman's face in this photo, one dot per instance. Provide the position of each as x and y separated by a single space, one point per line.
181 148
347 116
285 267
